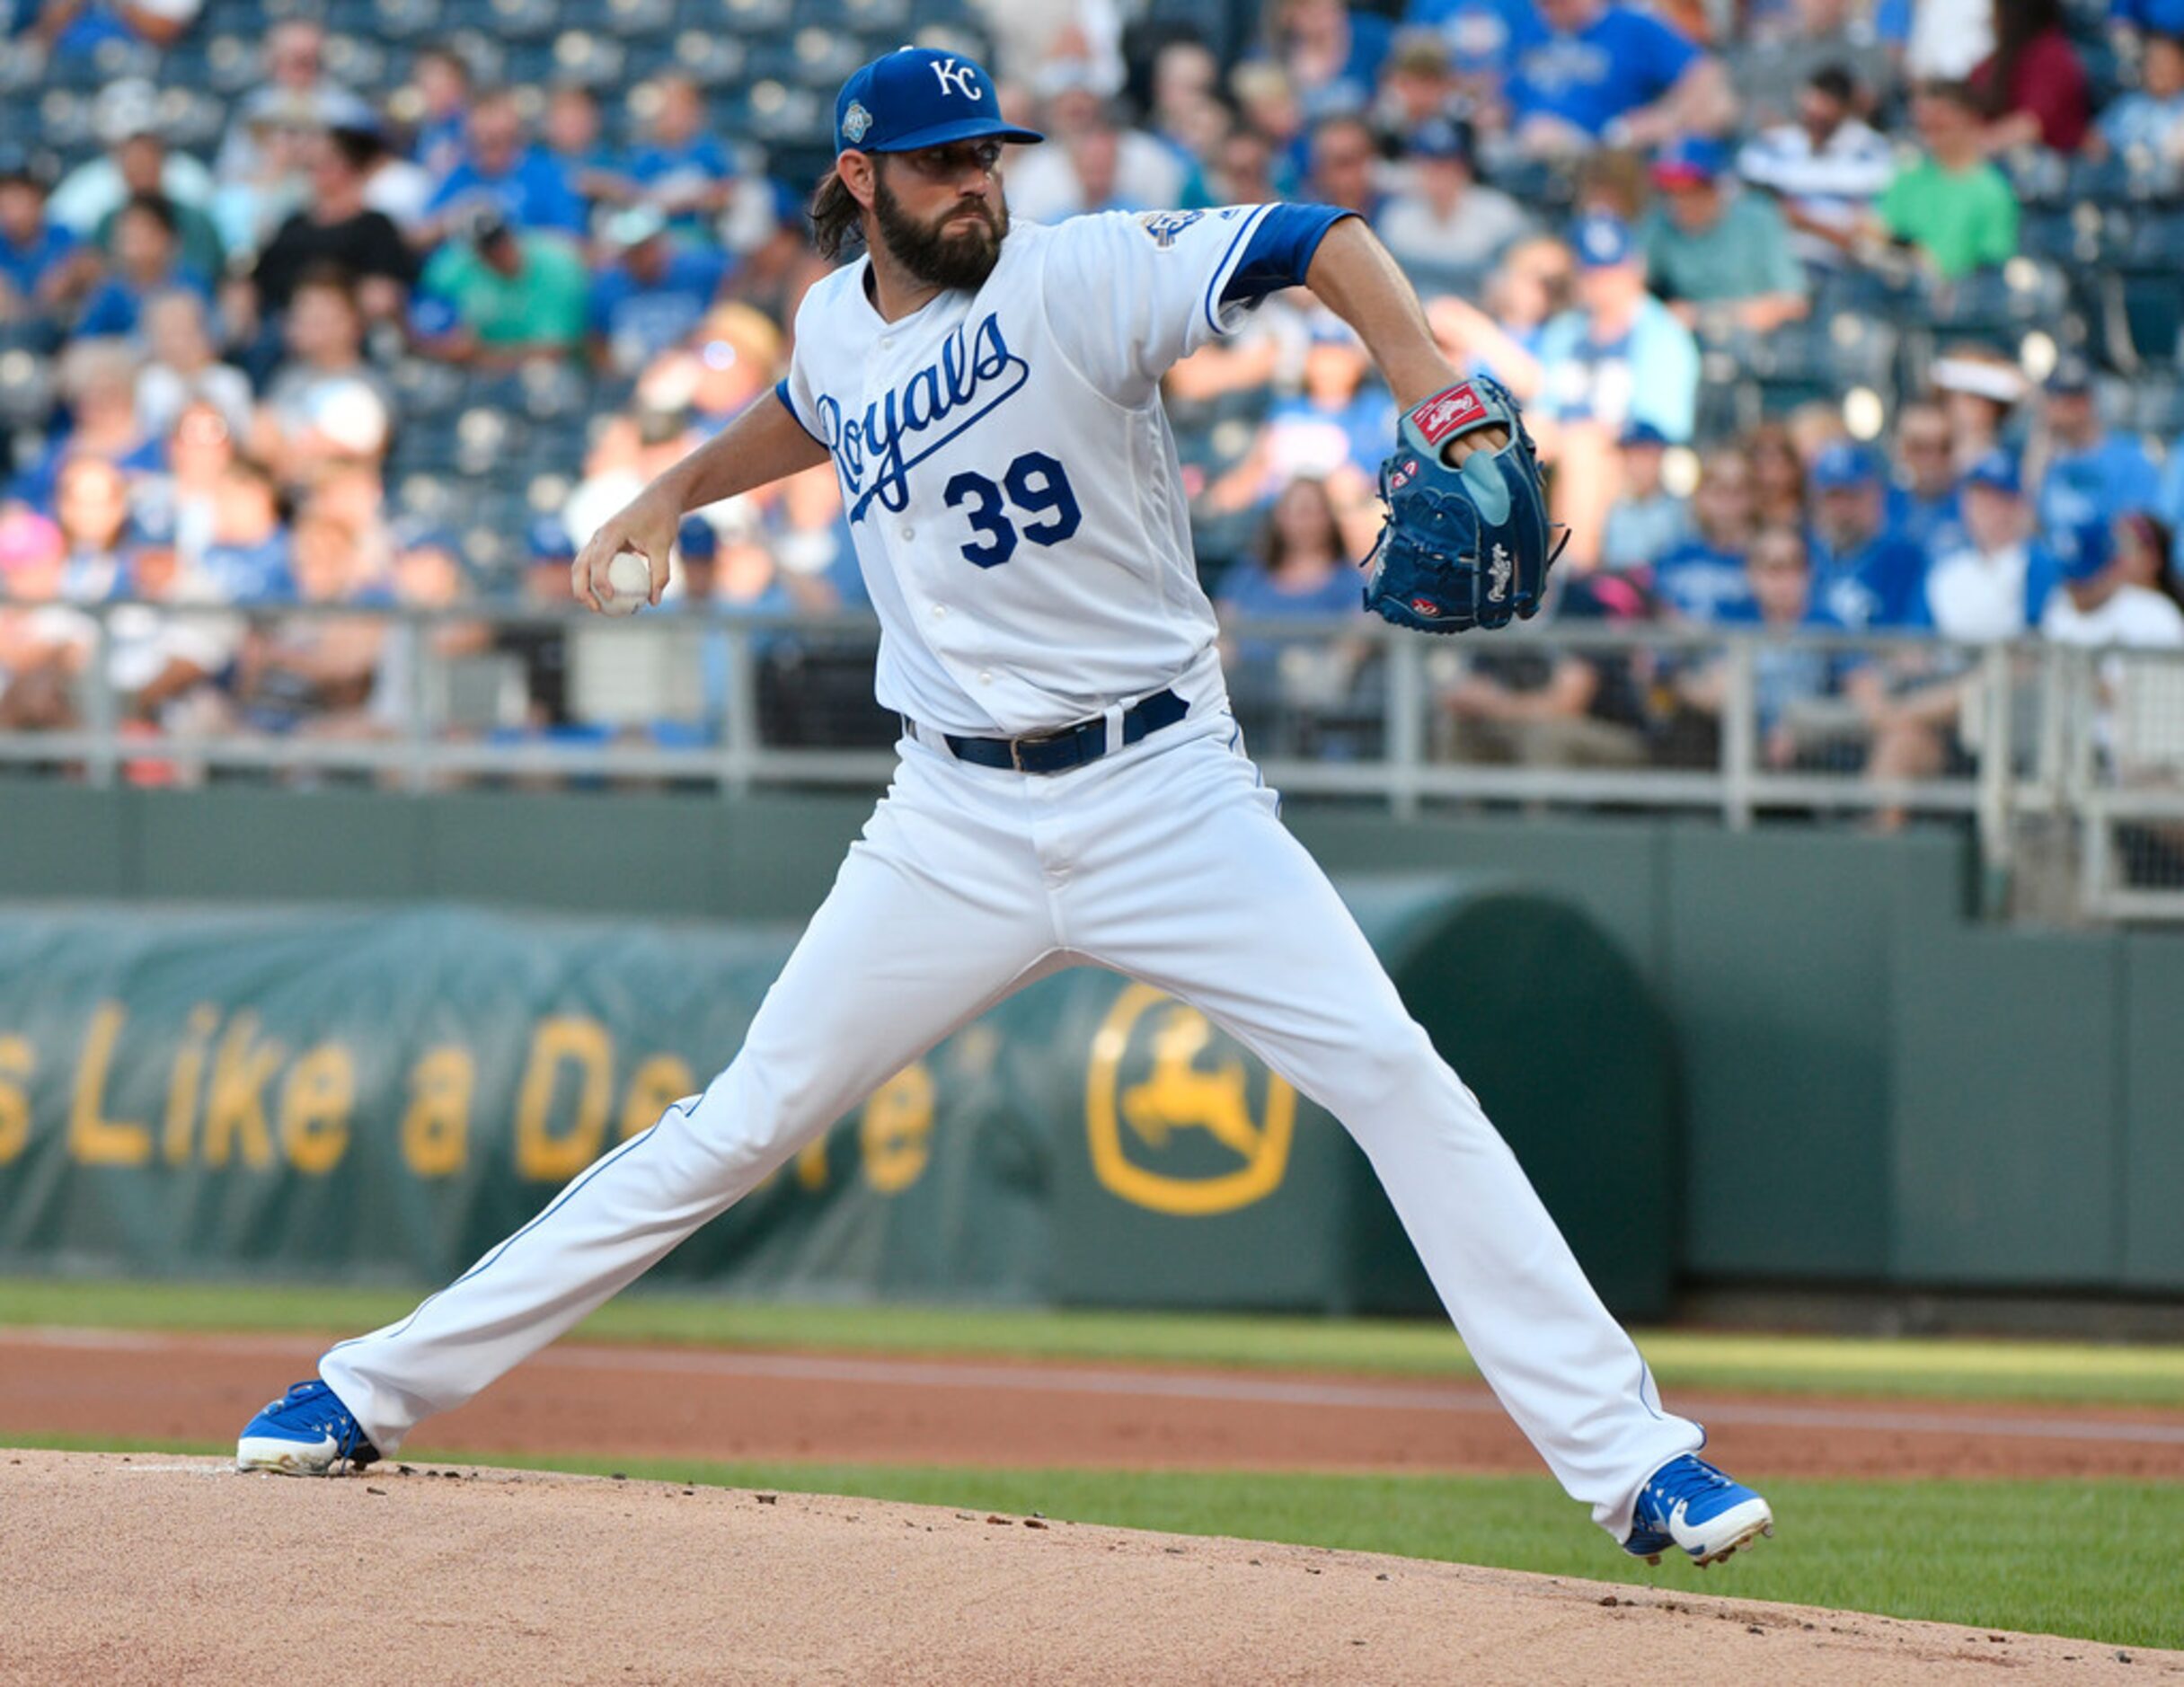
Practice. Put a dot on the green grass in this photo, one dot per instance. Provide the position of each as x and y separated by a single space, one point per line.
2058 1372
2098 1560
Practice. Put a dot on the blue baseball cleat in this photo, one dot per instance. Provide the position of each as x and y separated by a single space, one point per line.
1689 1504
306 1432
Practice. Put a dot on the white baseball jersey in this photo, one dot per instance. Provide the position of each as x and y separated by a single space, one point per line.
1010 476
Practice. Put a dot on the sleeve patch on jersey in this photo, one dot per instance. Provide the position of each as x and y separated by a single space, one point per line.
1442 415
1162 227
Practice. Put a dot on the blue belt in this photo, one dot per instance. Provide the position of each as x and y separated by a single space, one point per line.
1058 751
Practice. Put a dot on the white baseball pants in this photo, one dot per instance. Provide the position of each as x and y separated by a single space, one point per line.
1164 861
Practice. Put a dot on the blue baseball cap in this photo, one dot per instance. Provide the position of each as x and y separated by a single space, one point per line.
1998 469
2091 549
916 97
1602 242
1641 433
696 540
1843 464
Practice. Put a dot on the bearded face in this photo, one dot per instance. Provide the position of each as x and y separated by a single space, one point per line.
957 246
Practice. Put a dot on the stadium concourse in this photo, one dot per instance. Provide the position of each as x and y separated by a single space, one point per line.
1829 315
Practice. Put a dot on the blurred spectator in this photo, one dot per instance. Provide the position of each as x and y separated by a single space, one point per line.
771 274
1532 285
1602 72
1332 53
1482 38
182 368
1186 82
42 265
1827 169
1707 250
1707 578
1990 589
734 356
136 161
1646 521
543 645
312 673
178 508
141 160
1516 703
1345 166
1620 356
2120 593
325 402
1792 683
43 642
1336 430
1444 219
1417 87
1953 207
1922 502
651 294
1267 105
501 173
2090 474
1995 581
681 169
572 135
1302 570
91 502
147 259
1864 575
441 84
337 226
1090 161
2034 87
1775 69
247 560
97 381
1778 475
506 297
1243 169
161 661
1979 388
260 168
428 573
2147 120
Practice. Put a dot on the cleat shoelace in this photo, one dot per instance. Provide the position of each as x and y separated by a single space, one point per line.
1683 1482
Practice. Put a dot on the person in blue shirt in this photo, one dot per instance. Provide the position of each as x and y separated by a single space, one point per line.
1601 73
682 169
652 294
1706 580
500 170
38 258
1484 37
248 561
1922 504
571 136
1331 52
1864 575
2091 474
146 261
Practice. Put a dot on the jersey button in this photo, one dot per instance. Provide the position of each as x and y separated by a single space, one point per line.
986 676
939 610
910 533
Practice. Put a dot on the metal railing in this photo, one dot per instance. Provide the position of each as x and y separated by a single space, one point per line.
2026 743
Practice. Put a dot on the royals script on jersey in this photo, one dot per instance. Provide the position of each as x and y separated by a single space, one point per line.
1009 473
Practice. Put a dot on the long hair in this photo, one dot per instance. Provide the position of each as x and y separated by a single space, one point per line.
1274 547
837 220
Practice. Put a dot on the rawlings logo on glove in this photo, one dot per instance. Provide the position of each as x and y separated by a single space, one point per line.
1461 547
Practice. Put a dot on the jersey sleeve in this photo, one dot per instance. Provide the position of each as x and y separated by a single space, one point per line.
1129 294
794 388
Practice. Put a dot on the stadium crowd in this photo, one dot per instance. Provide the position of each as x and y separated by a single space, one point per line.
1845 316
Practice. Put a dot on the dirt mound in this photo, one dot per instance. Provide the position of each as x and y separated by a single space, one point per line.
155 1569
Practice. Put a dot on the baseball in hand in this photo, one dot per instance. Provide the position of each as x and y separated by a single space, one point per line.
629 582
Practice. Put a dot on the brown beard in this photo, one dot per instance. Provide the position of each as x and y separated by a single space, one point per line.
938 258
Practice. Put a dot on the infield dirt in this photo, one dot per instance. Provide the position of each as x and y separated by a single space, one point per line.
157 1569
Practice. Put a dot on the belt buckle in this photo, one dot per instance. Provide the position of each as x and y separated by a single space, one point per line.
1016 759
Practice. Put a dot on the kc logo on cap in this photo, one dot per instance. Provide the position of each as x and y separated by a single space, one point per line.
914 97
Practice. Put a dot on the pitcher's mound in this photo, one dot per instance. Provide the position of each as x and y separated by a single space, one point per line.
157 1569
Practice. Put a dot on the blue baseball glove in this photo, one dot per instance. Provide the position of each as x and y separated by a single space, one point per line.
1461 547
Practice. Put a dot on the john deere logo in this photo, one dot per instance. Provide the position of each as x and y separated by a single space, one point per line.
1170 1114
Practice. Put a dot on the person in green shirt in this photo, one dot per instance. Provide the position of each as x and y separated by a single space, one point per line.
512 295
1709 254
1952 205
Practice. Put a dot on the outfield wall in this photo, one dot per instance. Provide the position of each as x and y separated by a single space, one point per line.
1871 1087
